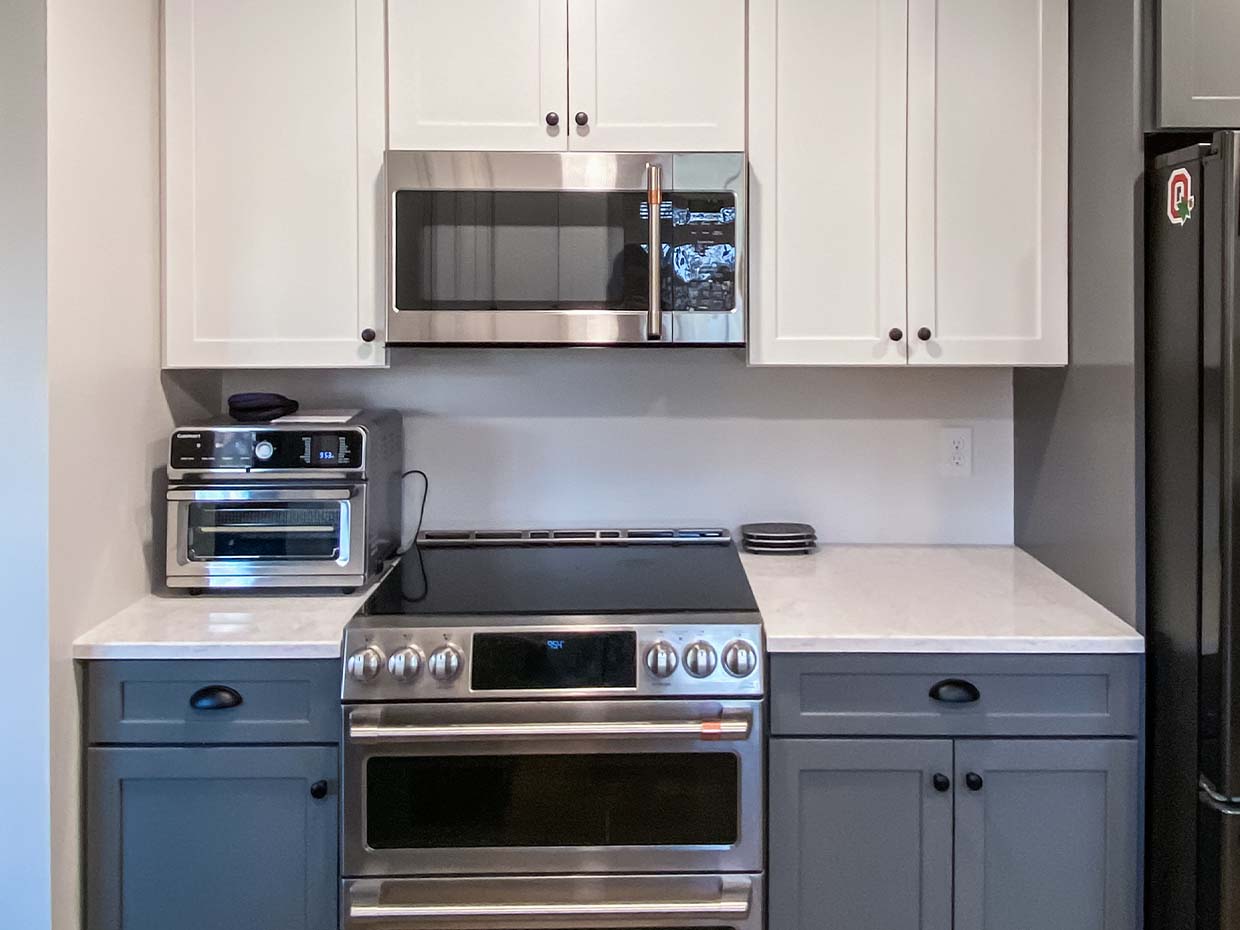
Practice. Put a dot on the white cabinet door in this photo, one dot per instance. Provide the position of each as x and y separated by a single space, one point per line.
478 75
988 182
657 75
273 183
827 126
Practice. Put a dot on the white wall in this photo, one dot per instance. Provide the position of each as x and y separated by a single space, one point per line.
110 416
25 838
631 436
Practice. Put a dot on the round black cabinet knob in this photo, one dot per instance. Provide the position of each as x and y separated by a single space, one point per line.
582 118
924 334
896 334
553 119
318 790
941 782
368 335
973 781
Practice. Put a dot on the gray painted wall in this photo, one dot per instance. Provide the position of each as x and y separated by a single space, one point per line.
1079 447
659 437
25 837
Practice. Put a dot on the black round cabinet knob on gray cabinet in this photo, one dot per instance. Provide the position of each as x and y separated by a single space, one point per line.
941 782
318 790
973 781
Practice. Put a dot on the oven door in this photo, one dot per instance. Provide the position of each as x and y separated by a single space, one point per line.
230 536
543 787
549 248
588 902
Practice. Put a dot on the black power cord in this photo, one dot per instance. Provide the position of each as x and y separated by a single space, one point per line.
426 492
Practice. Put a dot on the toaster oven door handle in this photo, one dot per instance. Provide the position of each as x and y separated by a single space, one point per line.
654 205
258 494
728 727
730 905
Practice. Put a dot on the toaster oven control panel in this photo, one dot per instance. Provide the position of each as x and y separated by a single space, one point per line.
286 450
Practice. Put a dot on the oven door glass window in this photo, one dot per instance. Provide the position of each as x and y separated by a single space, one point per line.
551 250
301 531
512 801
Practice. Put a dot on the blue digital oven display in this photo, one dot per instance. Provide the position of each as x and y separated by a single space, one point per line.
554 661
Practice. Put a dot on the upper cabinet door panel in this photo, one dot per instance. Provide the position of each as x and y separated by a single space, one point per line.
273 161
827 91
988 182
657 75
478 75
1199 70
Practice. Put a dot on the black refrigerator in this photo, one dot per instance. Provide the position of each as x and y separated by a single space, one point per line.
1192 351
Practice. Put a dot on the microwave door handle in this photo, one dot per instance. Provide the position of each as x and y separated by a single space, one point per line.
654 204
258 495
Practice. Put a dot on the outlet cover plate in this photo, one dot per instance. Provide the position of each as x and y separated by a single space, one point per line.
956 452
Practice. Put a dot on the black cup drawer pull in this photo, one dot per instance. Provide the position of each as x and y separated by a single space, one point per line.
215 697
955 691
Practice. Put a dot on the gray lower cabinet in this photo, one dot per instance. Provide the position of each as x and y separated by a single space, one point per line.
860 836
1046 834
1198 68
211 838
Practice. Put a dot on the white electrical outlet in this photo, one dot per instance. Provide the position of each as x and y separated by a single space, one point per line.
956 452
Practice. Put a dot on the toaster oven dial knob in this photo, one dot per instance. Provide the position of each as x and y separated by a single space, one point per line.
661 659
405 664
740 658
364 664
263 450
701 659
445 663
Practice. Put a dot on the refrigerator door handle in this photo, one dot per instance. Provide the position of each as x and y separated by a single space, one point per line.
1214 799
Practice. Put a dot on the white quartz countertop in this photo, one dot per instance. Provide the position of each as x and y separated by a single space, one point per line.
210 626
945 599
959 599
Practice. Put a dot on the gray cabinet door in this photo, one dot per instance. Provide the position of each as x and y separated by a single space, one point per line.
1048 836
1199 70
211 838
860 838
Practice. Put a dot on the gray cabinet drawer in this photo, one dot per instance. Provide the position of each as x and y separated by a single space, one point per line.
293 701
1017 695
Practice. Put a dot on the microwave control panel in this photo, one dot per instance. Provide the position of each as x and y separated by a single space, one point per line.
283 450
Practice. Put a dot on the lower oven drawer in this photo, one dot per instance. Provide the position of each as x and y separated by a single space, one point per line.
568 902
565 787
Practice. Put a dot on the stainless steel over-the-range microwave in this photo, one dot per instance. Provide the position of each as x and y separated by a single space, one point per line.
566 248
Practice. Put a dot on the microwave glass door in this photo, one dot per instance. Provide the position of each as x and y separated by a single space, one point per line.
248 530
559 250
562 800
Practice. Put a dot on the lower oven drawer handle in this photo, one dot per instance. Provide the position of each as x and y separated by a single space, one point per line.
725 728
637 910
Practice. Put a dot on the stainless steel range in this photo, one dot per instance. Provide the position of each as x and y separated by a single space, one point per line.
556 730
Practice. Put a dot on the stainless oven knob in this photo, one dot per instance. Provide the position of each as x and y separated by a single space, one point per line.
364 664
405 664
701 659
661 659
445 663
740 658
263 450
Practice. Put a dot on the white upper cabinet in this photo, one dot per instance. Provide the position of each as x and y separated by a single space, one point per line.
273 171
657 75
988 182
909 182
484 75
557 75
827 160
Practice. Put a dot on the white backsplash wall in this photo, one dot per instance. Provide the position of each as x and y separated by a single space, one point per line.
568 437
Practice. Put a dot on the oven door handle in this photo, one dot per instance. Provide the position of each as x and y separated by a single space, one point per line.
734 905
246 495
728 727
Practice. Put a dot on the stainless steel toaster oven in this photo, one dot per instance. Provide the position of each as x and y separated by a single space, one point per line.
307 501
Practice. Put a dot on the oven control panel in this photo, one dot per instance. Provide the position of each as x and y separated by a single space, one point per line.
643 660
284 450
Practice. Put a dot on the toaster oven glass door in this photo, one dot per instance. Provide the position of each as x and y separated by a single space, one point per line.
562 250
304 531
